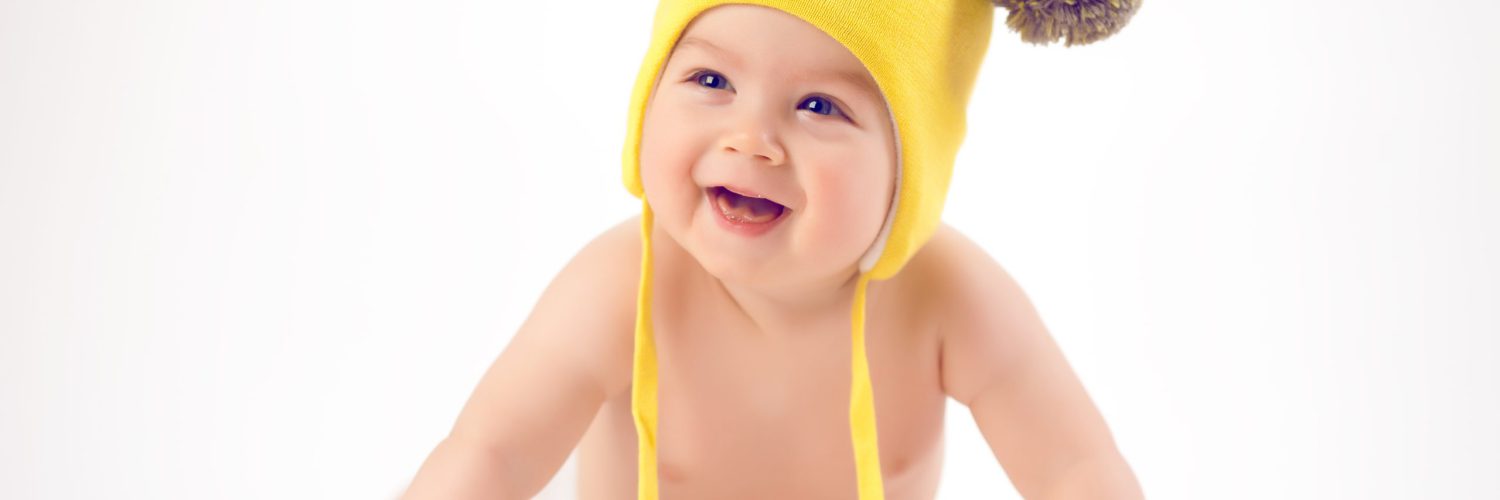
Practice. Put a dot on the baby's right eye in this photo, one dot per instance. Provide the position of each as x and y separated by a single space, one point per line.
709 79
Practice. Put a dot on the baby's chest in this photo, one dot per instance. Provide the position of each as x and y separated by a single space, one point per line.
725 427
737 409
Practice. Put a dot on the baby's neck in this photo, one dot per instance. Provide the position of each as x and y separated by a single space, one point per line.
805 309
784 311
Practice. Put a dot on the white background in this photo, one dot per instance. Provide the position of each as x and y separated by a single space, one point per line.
266 249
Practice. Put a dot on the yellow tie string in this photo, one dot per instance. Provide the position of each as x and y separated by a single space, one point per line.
862 405
643 389
643 382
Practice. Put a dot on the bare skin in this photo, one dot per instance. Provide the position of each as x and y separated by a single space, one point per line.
753 332
749 414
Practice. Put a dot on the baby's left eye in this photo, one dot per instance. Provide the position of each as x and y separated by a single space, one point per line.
820 105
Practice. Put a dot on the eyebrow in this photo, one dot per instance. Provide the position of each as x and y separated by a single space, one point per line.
857 79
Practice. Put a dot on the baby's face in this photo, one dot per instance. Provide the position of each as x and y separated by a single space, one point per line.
757 100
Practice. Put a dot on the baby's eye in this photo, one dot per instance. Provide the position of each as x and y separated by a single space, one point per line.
817 104
820 105
709 79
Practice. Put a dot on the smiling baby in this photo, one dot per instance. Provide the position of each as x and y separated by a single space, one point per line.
788 316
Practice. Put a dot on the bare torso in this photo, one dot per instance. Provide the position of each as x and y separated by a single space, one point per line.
754 416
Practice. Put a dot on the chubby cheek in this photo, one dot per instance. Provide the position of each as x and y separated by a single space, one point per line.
846 206
667 158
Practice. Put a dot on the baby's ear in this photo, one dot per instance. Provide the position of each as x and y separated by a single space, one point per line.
1041 22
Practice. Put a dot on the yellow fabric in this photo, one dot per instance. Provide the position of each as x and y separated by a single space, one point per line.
862 405
924 55
643 377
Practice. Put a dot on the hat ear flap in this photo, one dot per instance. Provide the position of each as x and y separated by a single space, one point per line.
1082 22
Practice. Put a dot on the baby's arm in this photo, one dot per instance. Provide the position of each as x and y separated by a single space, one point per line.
999 360
536 400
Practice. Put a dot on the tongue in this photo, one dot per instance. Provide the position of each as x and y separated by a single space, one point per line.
746 209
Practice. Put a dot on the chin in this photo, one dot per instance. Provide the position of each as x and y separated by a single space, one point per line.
741 266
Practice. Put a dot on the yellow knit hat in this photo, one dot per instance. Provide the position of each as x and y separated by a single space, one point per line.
924 55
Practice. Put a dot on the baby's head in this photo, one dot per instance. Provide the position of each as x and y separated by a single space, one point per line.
755 102
845 115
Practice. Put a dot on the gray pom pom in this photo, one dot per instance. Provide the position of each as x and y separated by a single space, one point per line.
1081 22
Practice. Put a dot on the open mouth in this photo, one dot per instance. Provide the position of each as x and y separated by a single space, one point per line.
742 209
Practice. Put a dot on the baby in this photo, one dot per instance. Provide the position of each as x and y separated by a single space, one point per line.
788 288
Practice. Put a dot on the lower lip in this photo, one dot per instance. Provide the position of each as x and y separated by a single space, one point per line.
742 228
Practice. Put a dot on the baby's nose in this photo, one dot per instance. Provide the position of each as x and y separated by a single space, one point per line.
759 142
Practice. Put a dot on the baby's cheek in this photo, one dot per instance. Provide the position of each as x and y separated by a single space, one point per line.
666 175
860 193
844 217
847 187
656 152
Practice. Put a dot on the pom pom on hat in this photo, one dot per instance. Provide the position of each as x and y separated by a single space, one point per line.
1081 22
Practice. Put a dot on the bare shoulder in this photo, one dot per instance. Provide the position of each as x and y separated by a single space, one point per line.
578 337
1000 361
952 269
984 314
568 356
950 254
603 279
